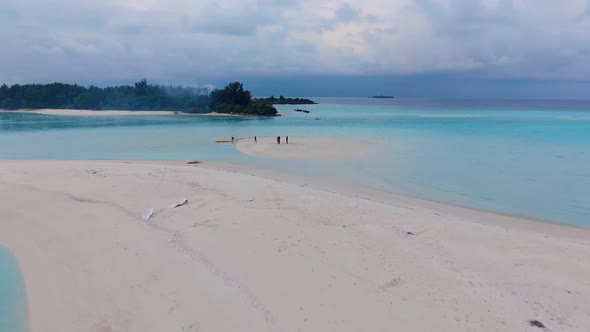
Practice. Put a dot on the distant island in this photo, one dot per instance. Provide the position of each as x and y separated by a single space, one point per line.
382 97
142 96
288 101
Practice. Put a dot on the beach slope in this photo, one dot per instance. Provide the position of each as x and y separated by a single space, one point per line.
253 254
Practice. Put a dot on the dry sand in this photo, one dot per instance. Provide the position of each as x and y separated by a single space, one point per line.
106 112
254 254
304 148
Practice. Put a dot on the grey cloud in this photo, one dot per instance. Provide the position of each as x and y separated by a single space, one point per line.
272 4
233 28
585 15
376 35
130 28
346 13
9 12
495 38
306 47
462 16
235 21
58 15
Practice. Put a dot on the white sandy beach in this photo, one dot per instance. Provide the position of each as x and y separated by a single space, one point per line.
304 148
106 112
249 253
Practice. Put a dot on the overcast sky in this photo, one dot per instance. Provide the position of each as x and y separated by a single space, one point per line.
195 42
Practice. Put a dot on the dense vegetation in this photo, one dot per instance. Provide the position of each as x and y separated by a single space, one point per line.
141 96
288 101
234 99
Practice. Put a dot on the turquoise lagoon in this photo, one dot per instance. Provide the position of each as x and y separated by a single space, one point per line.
526 158
13 309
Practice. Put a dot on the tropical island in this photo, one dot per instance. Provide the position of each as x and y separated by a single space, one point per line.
142 96
382 97
287 101
234 99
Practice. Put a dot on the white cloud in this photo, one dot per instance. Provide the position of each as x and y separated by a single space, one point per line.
178 39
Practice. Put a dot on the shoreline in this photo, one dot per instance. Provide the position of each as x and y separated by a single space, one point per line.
77 112
353 259
359 149
357 191
353 190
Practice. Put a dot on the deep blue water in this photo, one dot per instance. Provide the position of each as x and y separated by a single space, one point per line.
13 309
527 158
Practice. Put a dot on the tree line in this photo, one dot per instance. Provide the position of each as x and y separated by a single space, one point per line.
289 101
140 96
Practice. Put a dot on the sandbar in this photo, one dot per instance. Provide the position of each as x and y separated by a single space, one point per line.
304 148
249 253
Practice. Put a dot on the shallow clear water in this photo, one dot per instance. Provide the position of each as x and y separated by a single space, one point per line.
13 309
528 158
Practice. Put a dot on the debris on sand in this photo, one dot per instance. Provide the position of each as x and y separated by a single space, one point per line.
148 214
181 203
537 323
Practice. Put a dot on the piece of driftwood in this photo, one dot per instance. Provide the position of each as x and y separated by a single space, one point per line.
181 203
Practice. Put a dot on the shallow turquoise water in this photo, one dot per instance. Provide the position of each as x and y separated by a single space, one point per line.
517 157
13 309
